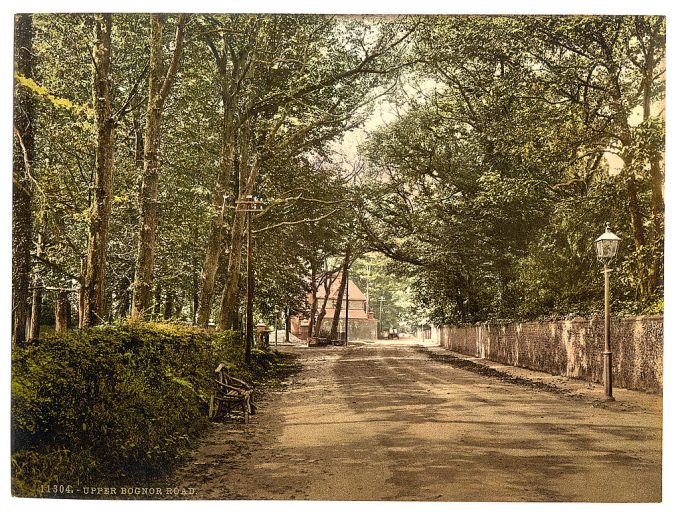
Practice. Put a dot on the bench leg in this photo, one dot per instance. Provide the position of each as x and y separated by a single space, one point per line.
251 404
246 410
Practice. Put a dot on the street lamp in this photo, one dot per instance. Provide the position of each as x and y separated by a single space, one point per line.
606 246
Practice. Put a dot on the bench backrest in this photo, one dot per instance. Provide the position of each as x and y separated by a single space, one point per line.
222 376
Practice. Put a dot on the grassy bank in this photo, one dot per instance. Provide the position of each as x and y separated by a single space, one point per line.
115 404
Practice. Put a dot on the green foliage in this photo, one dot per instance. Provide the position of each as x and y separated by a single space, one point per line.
492 186
307 83
115 403
385 281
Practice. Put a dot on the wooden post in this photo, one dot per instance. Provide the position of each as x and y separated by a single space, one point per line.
347 309
81 296
287 321
250 286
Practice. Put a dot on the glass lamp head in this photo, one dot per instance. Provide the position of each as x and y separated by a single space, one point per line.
607 245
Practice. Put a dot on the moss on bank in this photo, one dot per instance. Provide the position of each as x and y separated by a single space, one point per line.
117 403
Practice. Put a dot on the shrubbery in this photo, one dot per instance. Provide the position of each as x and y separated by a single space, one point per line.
114 403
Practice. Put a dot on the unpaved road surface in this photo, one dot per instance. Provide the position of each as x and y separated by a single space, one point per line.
387 422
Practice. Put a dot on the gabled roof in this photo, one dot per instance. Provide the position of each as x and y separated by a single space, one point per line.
354 292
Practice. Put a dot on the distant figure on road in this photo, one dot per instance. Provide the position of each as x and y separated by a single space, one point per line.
393 334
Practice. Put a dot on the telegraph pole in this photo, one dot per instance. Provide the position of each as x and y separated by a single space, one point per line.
250 286
347 309
381 299
249 205
368 285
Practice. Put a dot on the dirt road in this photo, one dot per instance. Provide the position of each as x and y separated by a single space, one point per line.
387 422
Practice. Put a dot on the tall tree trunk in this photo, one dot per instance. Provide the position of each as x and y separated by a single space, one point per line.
241 68
287 339
100 209
656 170
36 308
651 60
38 286
123 296
341 292
178 307
229 301
322 312
81 296
139 144
623 131
62 312
22 197
312 308
636 222
159 87
215 235
194 297
169 306
157 300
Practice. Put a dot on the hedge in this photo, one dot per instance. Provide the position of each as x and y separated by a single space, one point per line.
114 403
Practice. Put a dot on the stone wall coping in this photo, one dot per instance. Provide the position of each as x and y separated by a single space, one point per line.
539 322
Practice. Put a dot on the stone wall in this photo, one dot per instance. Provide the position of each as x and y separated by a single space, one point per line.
572 348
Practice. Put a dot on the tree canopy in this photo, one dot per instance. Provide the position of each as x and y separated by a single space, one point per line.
514 139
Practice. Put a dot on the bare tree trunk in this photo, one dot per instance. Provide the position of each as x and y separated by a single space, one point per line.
246 181
341 292
38 286
36 309
169 305
240 66
123 296
628 175
638 233
215 236
322 311
100 209
229 300
159 87
287 339
157 299
139 144
655 166
62 312
655 41
177 307
81 296
312 309
22 195
194 297
229 86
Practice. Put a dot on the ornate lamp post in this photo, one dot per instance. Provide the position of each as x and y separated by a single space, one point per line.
606 246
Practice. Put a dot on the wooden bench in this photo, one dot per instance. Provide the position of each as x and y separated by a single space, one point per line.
230 393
